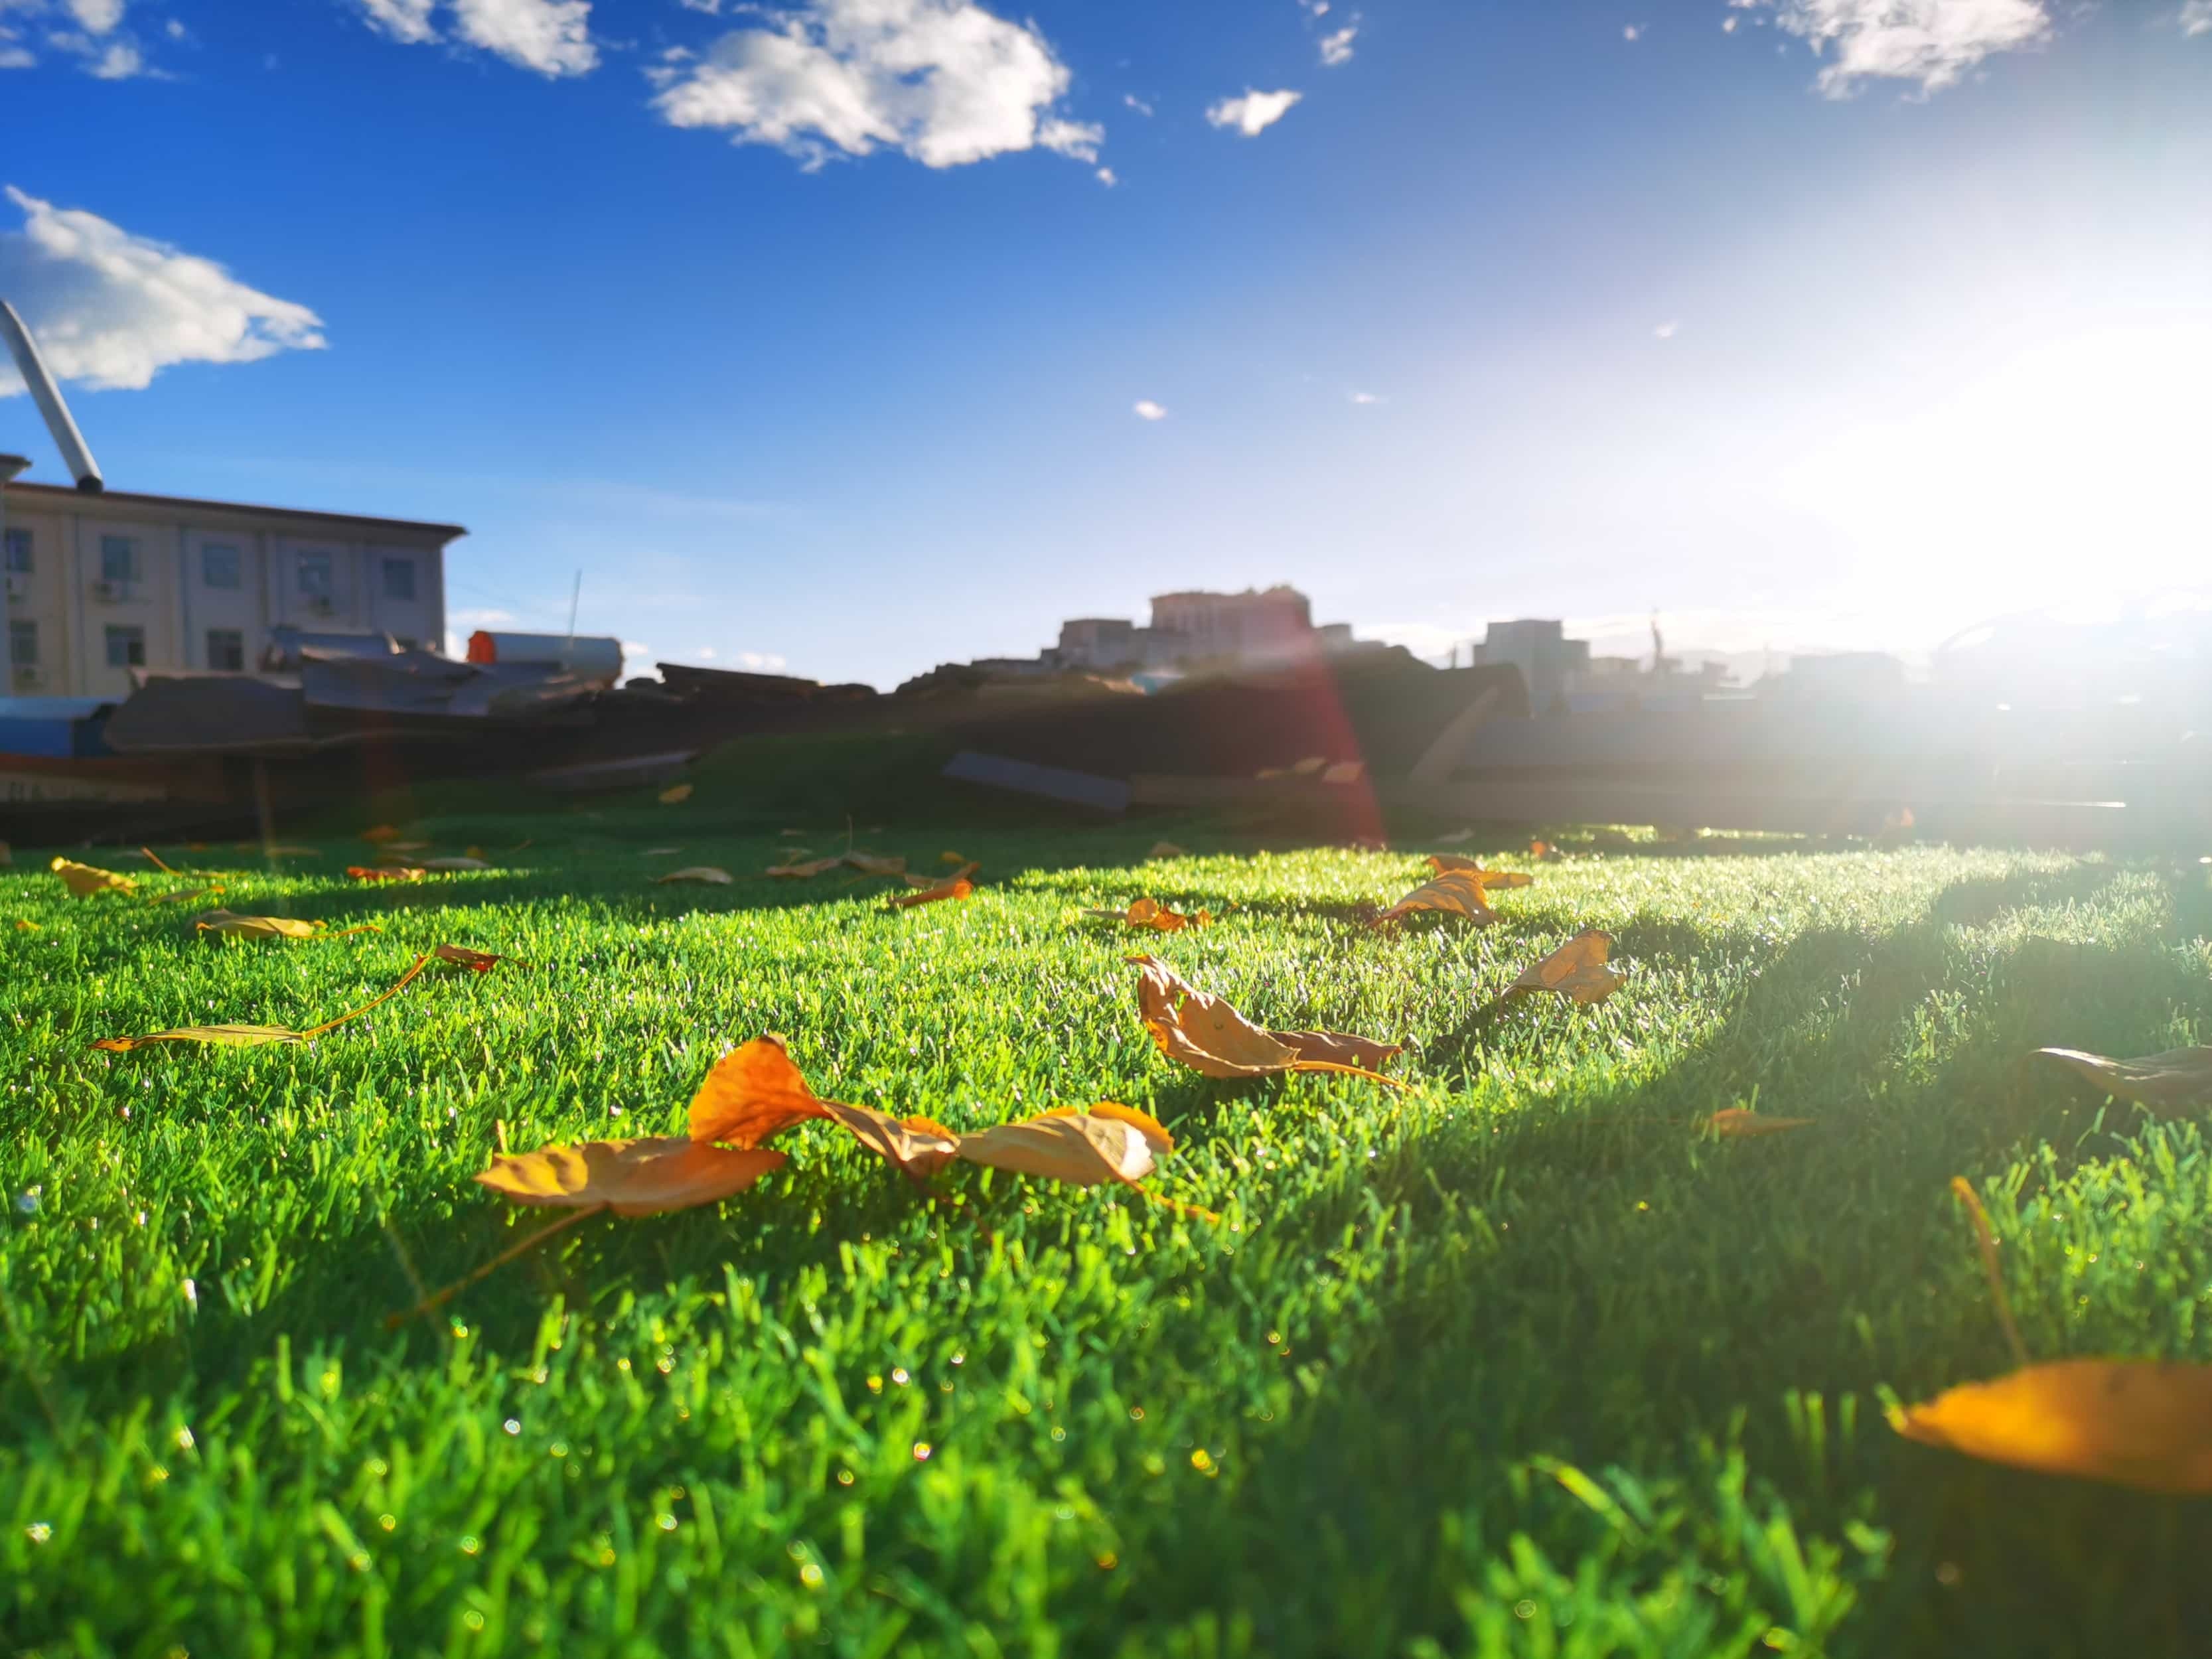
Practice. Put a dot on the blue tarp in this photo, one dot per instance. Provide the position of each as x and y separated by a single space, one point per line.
53 728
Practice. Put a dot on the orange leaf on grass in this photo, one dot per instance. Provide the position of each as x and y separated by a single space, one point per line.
1455 892
477 962
1442 863
1576 971
1736 1122
918 1147
1151 913
630 1177
394 872
705 874
752 1093
1205 1033
2175 1080
28 927
675 795
959 888
233 925
1082 1147
2139 1423
83 880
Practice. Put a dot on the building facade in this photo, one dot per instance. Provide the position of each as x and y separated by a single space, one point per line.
1255 628
1539 648
98 584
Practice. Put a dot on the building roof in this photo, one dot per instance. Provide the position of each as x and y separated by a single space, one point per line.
76 500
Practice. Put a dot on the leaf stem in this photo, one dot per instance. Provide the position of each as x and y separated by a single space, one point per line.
1985 1241
421 963
438 1299
1346 1071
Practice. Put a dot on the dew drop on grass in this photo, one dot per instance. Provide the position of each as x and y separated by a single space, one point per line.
511 1426
39 1531
922 1450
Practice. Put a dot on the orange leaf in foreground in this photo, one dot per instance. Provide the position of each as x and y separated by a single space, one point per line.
959 888
630 1177
918 1147
2137 1423
753 1092
1151 913
2172 1081
1577 969
398 872
1456 892
1205 1033
83 880
1441 862
1735 1121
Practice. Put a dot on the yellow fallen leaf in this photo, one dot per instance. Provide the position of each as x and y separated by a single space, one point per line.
2175 1080
469 862
675 795
29 927
1344 772
805 872
1576 971
1105 1142
953 859
2137 1423
1151 913
229 922
252 1036
1309 766
959 888
752 1093
1167 849
83 880
1442 863
1455 892
705 874
1205 1033
383 872
630 1177
1734 1121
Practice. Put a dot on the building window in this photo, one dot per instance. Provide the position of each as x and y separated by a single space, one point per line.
118 559
315 576
400 579
23 643
219 565
127 646
19 550
225 649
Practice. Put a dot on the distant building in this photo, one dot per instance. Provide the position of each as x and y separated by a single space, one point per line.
98 584
1547 659
1189 630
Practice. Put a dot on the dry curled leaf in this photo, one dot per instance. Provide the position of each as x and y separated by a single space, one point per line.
1344 772
1100 1143
1455 892
469 861
1733 1123
1151 913
2173 1081
1454 862
477 962
706 875
1576 971
2137 1423
807 870
752 1093
630 1177
869 865
918 1147
381 873
83 880
234 926
253 1036
675 795
1167 849
959 888
1308 767
1205 1033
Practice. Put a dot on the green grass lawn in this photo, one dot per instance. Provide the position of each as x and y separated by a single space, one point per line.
1513 1363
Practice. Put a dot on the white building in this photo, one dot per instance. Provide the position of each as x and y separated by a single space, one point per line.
101 583
1257 627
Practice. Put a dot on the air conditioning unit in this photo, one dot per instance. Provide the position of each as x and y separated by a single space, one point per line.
110 592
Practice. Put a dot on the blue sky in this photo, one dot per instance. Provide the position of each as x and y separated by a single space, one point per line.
859 335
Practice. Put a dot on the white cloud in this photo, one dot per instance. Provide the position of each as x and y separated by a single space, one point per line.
1254 112
1631 31
943 81
1664 331
1145 410
761 661
1144 108
97 16
2196 17
1108 178
402 19
1364 397
90 31
1336 49
1934 42
552 38
112 310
